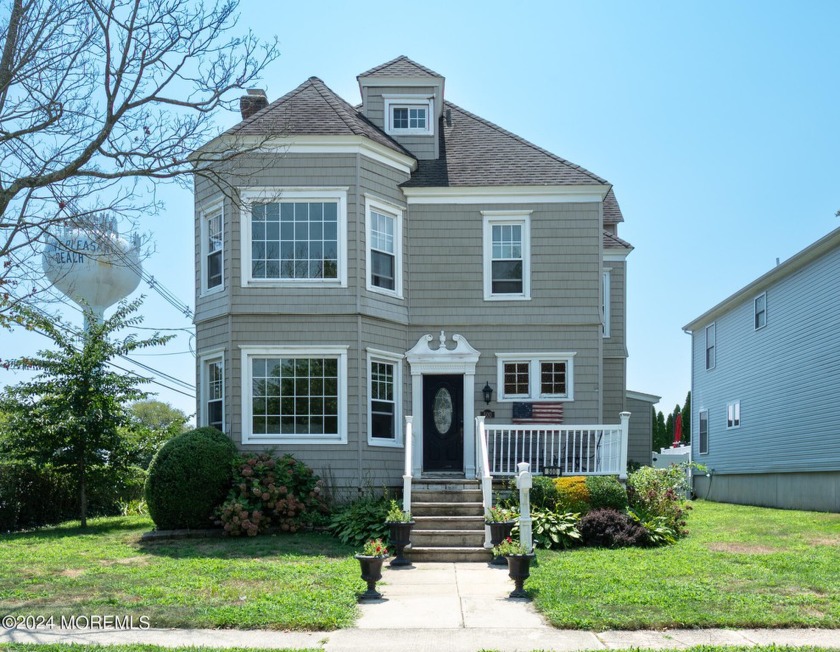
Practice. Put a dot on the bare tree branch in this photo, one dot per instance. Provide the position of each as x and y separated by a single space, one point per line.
99 100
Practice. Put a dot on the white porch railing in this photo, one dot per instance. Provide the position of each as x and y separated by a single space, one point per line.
409 452
557 449
482 465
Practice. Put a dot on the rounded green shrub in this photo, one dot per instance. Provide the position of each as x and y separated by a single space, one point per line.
606 492
189 478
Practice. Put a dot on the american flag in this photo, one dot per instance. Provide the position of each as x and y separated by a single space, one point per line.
538 413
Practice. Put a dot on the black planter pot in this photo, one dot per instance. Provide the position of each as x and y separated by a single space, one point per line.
499 531
371 573
519 570
400 538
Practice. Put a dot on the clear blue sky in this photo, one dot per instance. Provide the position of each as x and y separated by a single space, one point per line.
716 122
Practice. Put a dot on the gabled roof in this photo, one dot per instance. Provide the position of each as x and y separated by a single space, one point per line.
612 211
402 66
793 264
475 152
312 109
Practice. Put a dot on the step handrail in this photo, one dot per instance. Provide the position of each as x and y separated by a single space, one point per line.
407 478
483 465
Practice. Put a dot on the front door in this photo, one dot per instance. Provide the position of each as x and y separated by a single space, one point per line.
443 423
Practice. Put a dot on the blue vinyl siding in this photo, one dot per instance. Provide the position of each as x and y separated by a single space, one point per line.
786 376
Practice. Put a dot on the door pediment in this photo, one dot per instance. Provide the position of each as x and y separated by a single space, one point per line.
425 358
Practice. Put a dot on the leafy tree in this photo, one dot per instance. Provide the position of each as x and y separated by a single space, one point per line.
686 417
660 432
100 100
151 424
71 414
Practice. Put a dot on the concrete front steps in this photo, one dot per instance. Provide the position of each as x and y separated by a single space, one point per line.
449 521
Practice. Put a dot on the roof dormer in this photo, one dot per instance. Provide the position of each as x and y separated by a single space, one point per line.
405 100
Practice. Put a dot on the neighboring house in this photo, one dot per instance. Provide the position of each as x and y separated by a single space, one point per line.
394 259
640 406
766 386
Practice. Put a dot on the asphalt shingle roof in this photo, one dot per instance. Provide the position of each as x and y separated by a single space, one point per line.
612 211
312 109
402 66
475 152
614 242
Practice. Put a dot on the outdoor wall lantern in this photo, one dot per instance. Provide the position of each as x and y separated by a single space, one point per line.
488 393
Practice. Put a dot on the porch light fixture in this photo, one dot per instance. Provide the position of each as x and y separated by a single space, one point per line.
488 393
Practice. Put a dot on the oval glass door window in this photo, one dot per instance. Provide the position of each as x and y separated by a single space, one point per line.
442 409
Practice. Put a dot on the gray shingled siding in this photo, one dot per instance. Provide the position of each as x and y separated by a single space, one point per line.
565 266
614 389
615 346
640 445
784 375
423 147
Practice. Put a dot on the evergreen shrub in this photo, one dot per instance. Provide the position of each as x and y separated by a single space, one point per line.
189 478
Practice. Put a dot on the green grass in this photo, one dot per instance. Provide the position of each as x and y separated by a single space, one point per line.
295 582
739 567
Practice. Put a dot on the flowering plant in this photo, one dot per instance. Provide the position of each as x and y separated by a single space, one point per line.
510 548
499 515
374 548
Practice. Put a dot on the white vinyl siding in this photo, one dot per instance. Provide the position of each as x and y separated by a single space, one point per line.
294 237
294 394
384 398
507 255
535 376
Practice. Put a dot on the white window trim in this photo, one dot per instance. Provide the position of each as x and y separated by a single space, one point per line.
249 196
206 213
376 355
492 218
339 352
216 355
606 288
755 311
408 101
390 210
713 364
534 360
699 437
735 408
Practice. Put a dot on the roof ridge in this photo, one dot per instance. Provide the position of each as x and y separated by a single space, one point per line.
400 58
283 98
527 142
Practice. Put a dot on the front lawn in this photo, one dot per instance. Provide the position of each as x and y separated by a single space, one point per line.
296 582
739 567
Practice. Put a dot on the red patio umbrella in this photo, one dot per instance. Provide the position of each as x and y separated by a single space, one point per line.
677 430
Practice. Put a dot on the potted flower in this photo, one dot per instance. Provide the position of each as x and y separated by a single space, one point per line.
373 554
400 523
501 521
519 564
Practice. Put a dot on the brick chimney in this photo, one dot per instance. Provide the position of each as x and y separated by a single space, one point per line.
252 102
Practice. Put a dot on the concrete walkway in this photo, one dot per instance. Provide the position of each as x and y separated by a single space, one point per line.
440 607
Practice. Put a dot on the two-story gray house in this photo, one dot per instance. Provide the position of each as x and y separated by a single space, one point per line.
400 257
765 387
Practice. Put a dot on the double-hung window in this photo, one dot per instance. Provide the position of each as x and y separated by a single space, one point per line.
710 346
294 237
294 394
212 249
213 391
384 250
535 376
507 259
760 311
409 115
704 431
733 414
385 398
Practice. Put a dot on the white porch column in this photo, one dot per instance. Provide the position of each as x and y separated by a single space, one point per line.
417 413
469 426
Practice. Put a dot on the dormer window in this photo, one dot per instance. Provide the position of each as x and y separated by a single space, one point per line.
409 115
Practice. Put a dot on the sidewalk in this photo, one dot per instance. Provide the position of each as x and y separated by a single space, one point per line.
441 607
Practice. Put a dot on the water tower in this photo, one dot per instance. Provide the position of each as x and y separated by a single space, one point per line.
92 265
